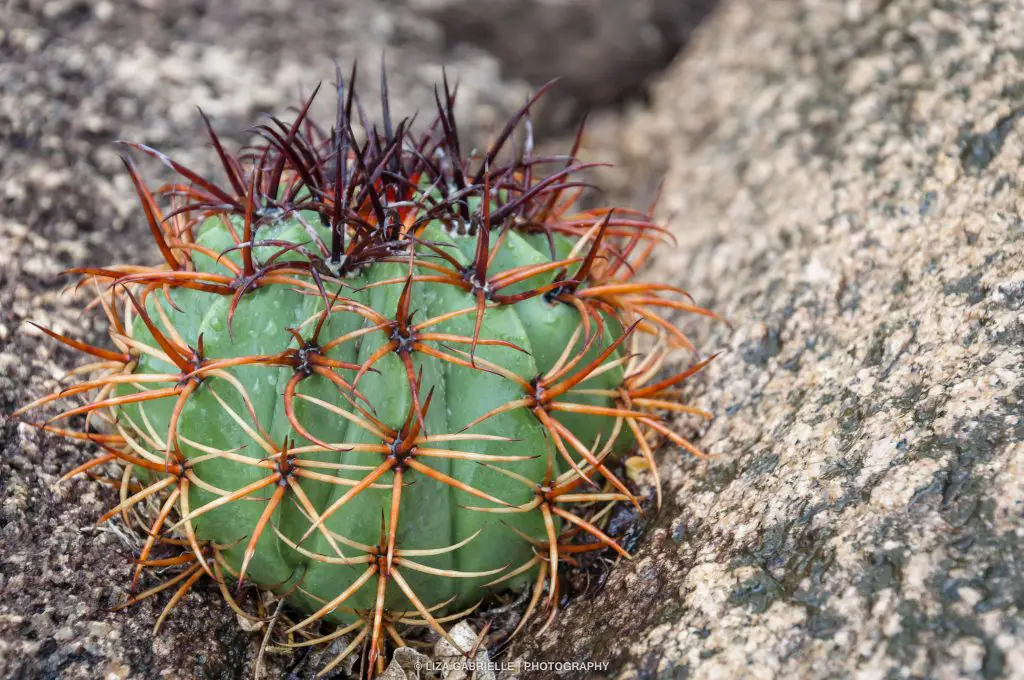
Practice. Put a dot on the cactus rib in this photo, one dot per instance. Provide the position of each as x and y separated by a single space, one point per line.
378 378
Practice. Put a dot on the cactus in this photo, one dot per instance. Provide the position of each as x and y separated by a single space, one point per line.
377 378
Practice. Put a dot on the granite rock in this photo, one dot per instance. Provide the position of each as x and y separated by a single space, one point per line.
845 184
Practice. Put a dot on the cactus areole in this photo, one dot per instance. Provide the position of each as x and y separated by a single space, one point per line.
379 377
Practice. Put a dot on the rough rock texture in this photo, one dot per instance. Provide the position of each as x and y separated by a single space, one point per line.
845 180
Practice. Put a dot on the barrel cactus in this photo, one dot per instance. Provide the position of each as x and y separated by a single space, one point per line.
373 375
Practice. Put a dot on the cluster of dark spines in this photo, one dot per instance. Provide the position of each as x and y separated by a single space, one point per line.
377 196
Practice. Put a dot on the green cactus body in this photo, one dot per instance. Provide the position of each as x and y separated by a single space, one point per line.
432 515
381 380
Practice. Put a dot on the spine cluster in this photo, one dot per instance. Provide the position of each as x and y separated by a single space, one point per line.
375 375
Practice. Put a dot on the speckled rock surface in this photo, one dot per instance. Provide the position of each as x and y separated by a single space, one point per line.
845 181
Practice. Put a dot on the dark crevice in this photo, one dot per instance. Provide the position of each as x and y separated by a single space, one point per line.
604 53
